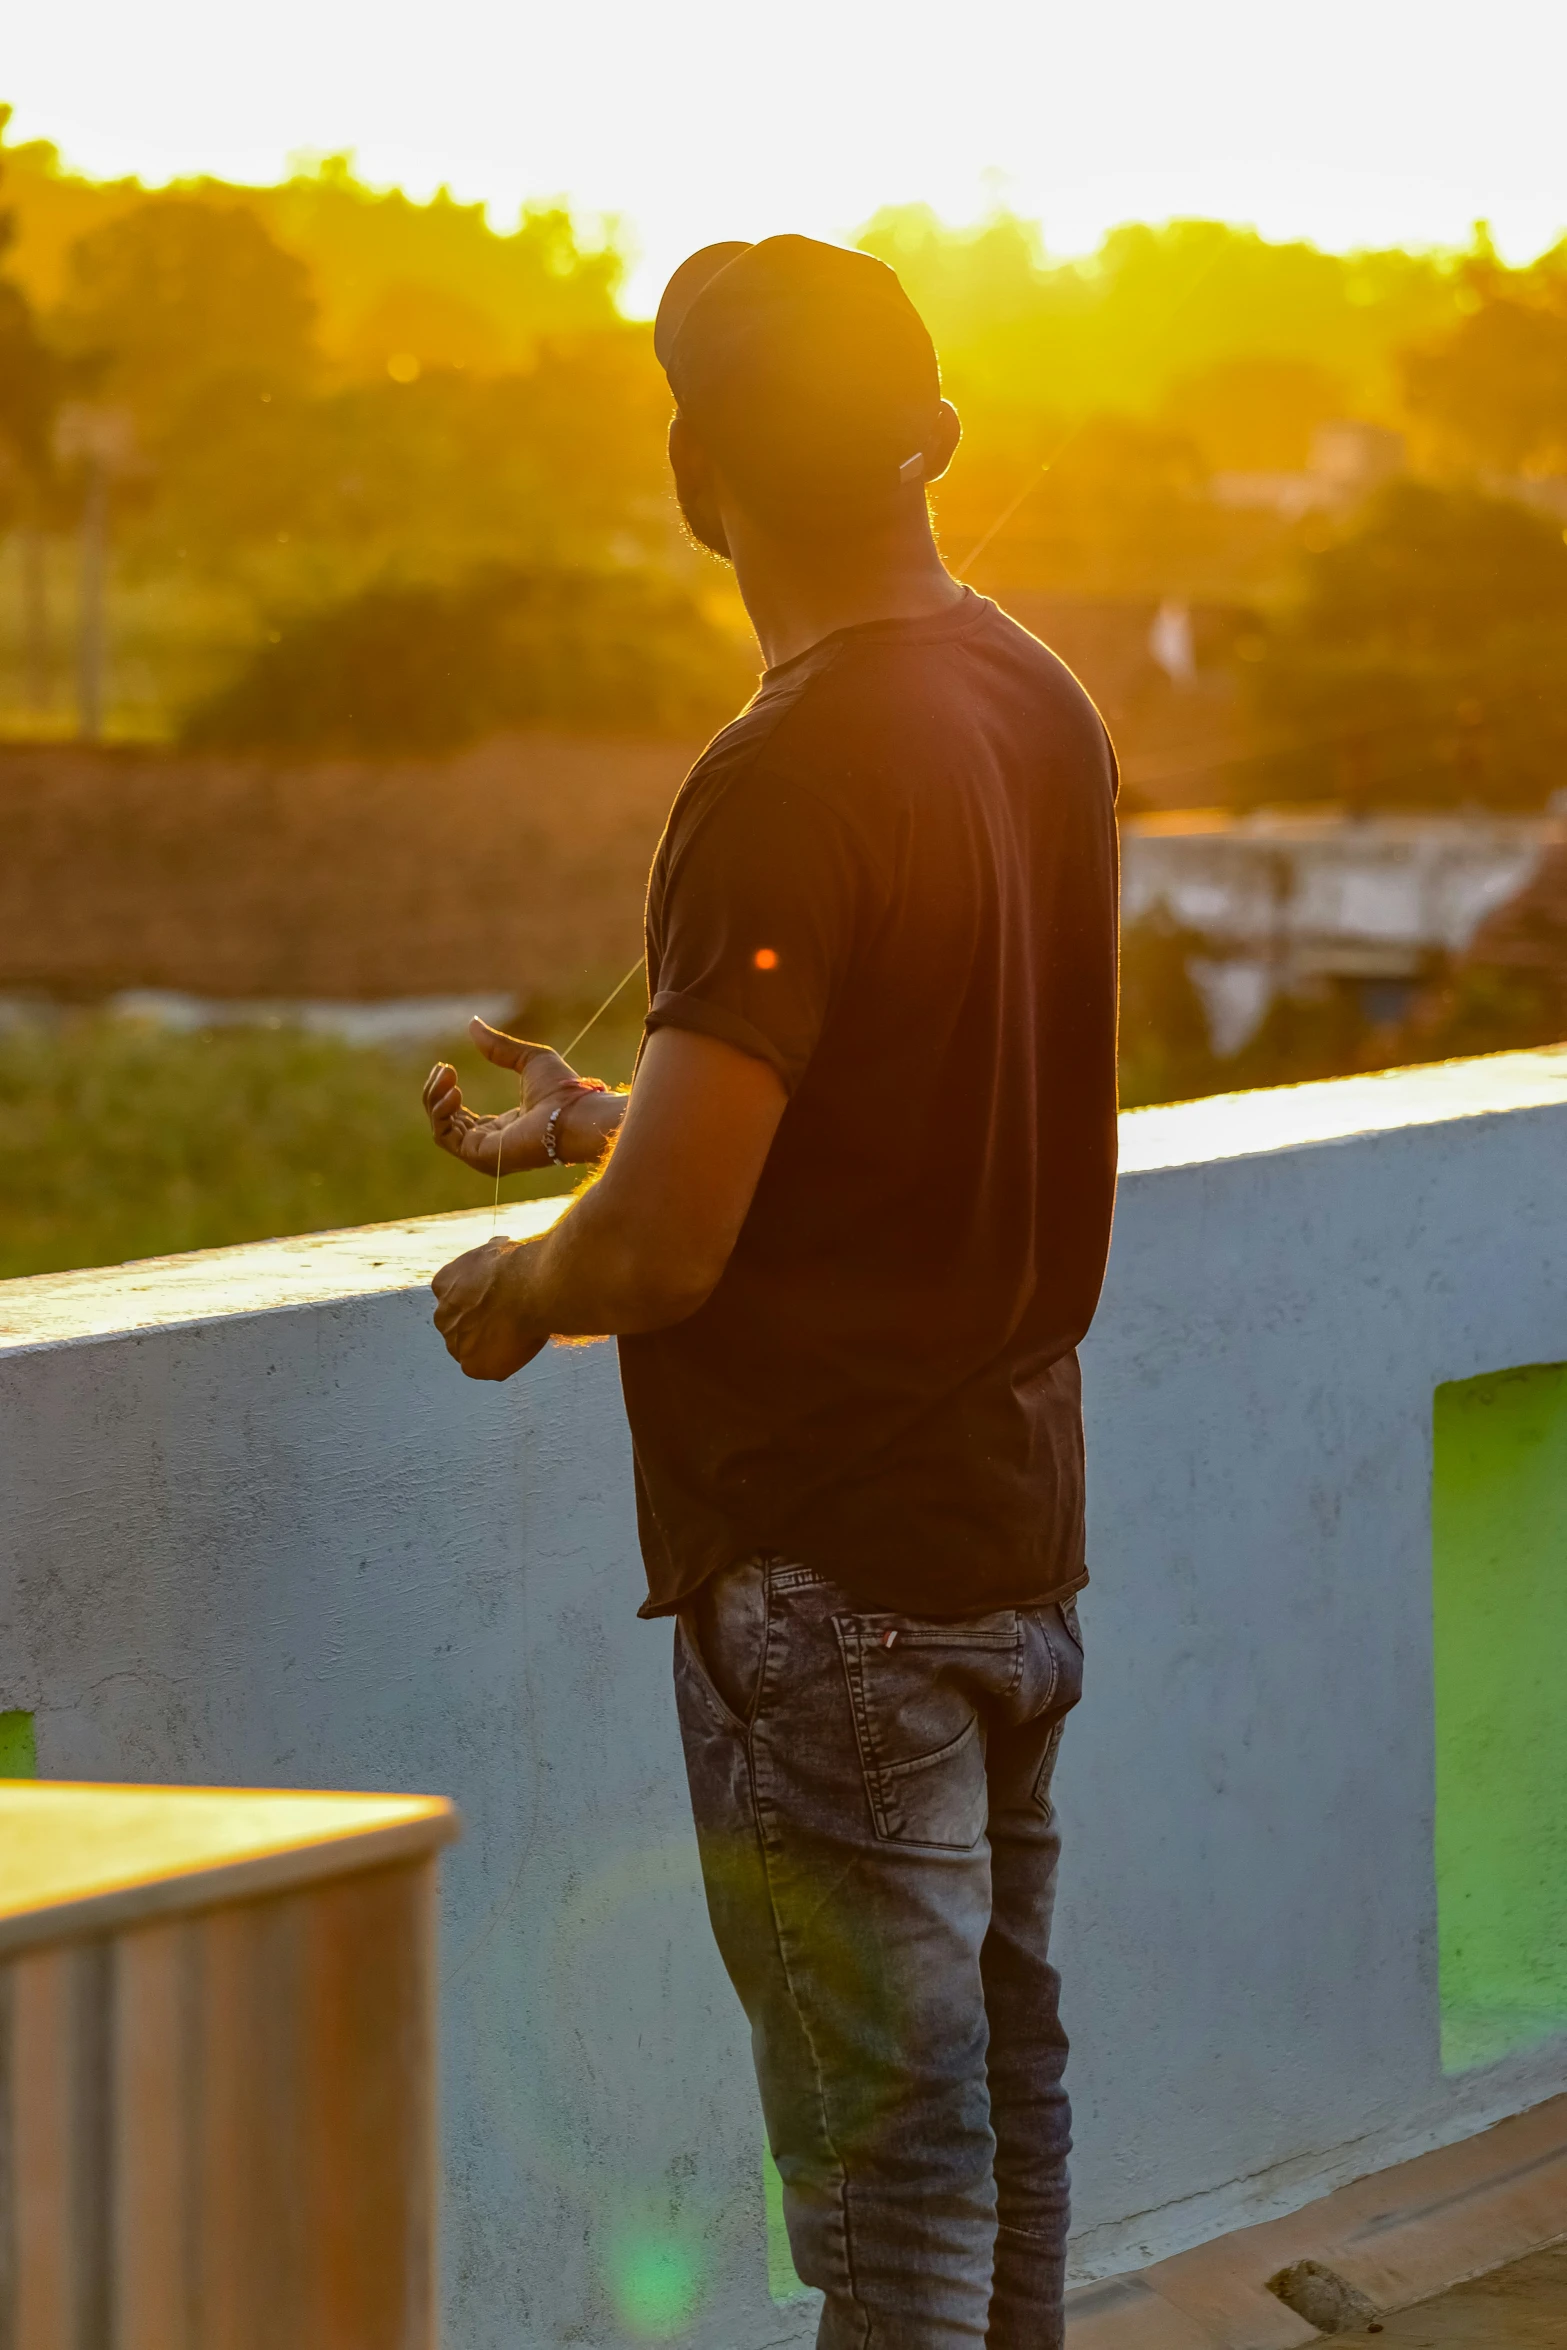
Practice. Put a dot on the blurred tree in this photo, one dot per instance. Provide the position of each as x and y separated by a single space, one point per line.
317 494
33 381
1509 986
1424 661
1154 306
413 327
180 293
1166 1054
967 284
480 297
1166 354
361 245
29 390
1494 389
339 385
1114 506
1253 414
53 207
418 668
1430 570
31 377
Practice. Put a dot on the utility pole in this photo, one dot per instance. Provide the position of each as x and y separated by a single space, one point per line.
101 441
91 632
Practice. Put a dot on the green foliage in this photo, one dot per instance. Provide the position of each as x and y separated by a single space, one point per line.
1494 390
1320 1030
1253 414
362 247
421 668
1165 1053
1424 660
1481 1009
434 281
337 388
1426 569
31 380
1117 510
121 1141
317 493
331 385
1152 307
1101 393
181 293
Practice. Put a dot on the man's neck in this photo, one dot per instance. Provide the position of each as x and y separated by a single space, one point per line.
797 596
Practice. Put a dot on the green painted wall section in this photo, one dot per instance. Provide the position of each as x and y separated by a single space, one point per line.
1499 1571
18 1746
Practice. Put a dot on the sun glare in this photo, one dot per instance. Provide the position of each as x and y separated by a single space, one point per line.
698 120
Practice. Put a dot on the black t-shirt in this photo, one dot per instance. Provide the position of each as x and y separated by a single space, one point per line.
894 879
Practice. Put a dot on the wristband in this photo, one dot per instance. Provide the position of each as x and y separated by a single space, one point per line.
552 1122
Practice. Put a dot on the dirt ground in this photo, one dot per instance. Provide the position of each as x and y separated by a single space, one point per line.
517 866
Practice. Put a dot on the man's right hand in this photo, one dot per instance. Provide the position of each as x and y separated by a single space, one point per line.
544 1081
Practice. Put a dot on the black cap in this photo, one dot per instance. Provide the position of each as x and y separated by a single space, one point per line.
805 365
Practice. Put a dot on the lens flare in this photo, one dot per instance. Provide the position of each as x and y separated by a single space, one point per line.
656 2283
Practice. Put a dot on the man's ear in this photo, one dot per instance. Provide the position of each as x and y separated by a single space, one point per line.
688 460
942 445
697 488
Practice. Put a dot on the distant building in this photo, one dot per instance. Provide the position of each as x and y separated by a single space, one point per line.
1355 457
1171 645
1287 900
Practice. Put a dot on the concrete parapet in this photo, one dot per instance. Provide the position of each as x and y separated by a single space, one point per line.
259 1531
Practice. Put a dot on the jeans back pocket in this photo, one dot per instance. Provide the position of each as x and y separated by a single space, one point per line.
916 1688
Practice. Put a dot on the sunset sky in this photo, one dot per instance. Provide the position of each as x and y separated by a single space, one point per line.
1351 121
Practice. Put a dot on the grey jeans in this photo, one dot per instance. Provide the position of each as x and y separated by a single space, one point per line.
872 1802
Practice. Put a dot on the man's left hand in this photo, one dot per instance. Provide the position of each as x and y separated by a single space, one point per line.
477 1314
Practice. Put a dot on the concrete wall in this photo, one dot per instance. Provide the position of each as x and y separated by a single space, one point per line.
258 1529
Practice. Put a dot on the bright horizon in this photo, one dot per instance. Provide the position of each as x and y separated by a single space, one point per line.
1359 122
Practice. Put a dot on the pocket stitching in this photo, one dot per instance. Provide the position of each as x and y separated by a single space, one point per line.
1046 1771
877 1775
922 1762
848 1632
914 1634
969 1734
697 1664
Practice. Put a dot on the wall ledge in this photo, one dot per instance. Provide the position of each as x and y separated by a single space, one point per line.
374 1260
1340 1109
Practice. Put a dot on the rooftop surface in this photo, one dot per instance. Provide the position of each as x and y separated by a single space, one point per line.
1520 2307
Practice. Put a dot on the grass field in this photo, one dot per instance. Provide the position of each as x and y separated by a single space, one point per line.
119 1140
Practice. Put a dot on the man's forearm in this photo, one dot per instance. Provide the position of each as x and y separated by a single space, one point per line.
588 1278
644 1246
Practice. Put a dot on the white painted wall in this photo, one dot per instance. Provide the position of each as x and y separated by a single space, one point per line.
258 1529
1315 886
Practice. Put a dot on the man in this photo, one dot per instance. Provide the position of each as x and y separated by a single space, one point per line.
852 1228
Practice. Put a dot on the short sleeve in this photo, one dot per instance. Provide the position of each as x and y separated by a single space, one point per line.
761 894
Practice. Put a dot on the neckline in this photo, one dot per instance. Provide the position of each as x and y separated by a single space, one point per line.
927 628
